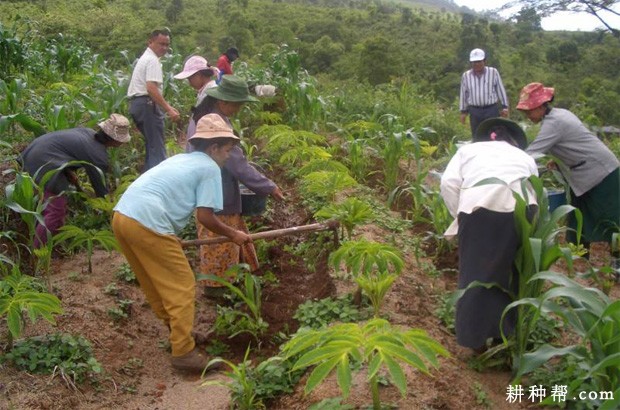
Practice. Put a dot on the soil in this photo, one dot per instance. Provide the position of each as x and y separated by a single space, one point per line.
133 351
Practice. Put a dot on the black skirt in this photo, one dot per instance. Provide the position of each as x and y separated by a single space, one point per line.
488 243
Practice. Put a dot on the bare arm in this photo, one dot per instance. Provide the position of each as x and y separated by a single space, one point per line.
207 218
153 90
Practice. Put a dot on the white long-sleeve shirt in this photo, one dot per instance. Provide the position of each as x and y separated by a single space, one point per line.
477 161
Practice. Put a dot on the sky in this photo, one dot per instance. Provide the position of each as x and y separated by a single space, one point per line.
558 21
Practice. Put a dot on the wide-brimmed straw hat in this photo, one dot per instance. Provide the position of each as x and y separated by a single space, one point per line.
116 127
488 127
534 95
213 126
232 89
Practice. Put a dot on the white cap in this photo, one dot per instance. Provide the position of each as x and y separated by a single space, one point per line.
477 54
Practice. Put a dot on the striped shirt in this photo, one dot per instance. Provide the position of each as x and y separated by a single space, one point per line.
482 90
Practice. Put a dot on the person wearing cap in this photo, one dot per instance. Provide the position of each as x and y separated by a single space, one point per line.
56 149
484 223
481 92
224 63
147 104
226 100
154 209
589 167
199 75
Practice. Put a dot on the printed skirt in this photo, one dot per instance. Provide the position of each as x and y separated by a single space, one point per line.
216 259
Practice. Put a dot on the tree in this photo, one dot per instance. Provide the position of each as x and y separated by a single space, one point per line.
596 8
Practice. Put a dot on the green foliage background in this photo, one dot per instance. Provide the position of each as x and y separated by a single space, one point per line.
354 41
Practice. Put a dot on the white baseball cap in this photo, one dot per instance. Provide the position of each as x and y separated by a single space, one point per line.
477 54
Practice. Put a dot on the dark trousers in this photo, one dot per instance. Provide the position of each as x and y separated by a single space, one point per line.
149 119
479 114
488 243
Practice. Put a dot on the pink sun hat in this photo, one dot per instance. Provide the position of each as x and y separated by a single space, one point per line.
534 95
192 66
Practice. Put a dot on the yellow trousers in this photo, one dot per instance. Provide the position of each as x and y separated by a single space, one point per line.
165 277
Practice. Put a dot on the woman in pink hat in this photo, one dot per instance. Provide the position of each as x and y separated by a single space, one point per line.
591 169
200 76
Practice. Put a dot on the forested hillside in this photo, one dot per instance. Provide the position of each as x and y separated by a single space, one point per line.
368 42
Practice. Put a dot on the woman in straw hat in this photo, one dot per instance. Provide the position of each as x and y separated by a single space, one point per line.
226 100
591 169
154 208
56 149
484 222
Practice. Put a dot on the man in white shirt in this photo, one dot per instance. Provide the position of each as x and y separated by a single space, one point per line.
146 101
481 92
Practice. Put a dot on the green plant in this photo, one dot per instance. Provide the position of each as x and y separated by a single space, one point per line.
233 321
21 294
217 348
376 286
121 311
125 274
323 312
350 213
376 343
78 237
446 311
240 384
482 397
111 289
596 320
363 256
57 353
334 403
326 184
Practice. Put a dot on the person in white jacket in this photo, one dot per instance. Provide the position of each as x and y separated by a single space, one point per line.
485 225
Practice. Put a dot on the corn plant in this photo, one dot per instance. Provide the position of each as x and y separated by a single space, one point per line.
350 213
250 295
375 343
21 294
76 237
240 384
595 318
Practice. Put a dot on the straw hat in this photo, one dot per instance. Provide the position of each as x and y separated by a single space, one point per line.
213 126
116 127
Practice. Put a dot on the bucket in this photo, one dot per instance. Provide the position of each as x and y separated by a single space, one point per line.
251 204
556 198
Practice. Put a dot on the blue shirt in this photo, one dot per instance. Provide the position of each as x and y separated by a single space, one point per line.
165 197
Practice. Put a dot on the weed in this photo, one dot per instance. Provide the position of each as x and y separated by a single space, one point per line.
65 354
217 348
323 312
111 289
482 397
125 274
446 311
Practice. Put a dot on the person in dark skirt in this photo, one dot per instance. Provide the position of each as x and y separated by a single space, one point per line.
484 223
591 169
